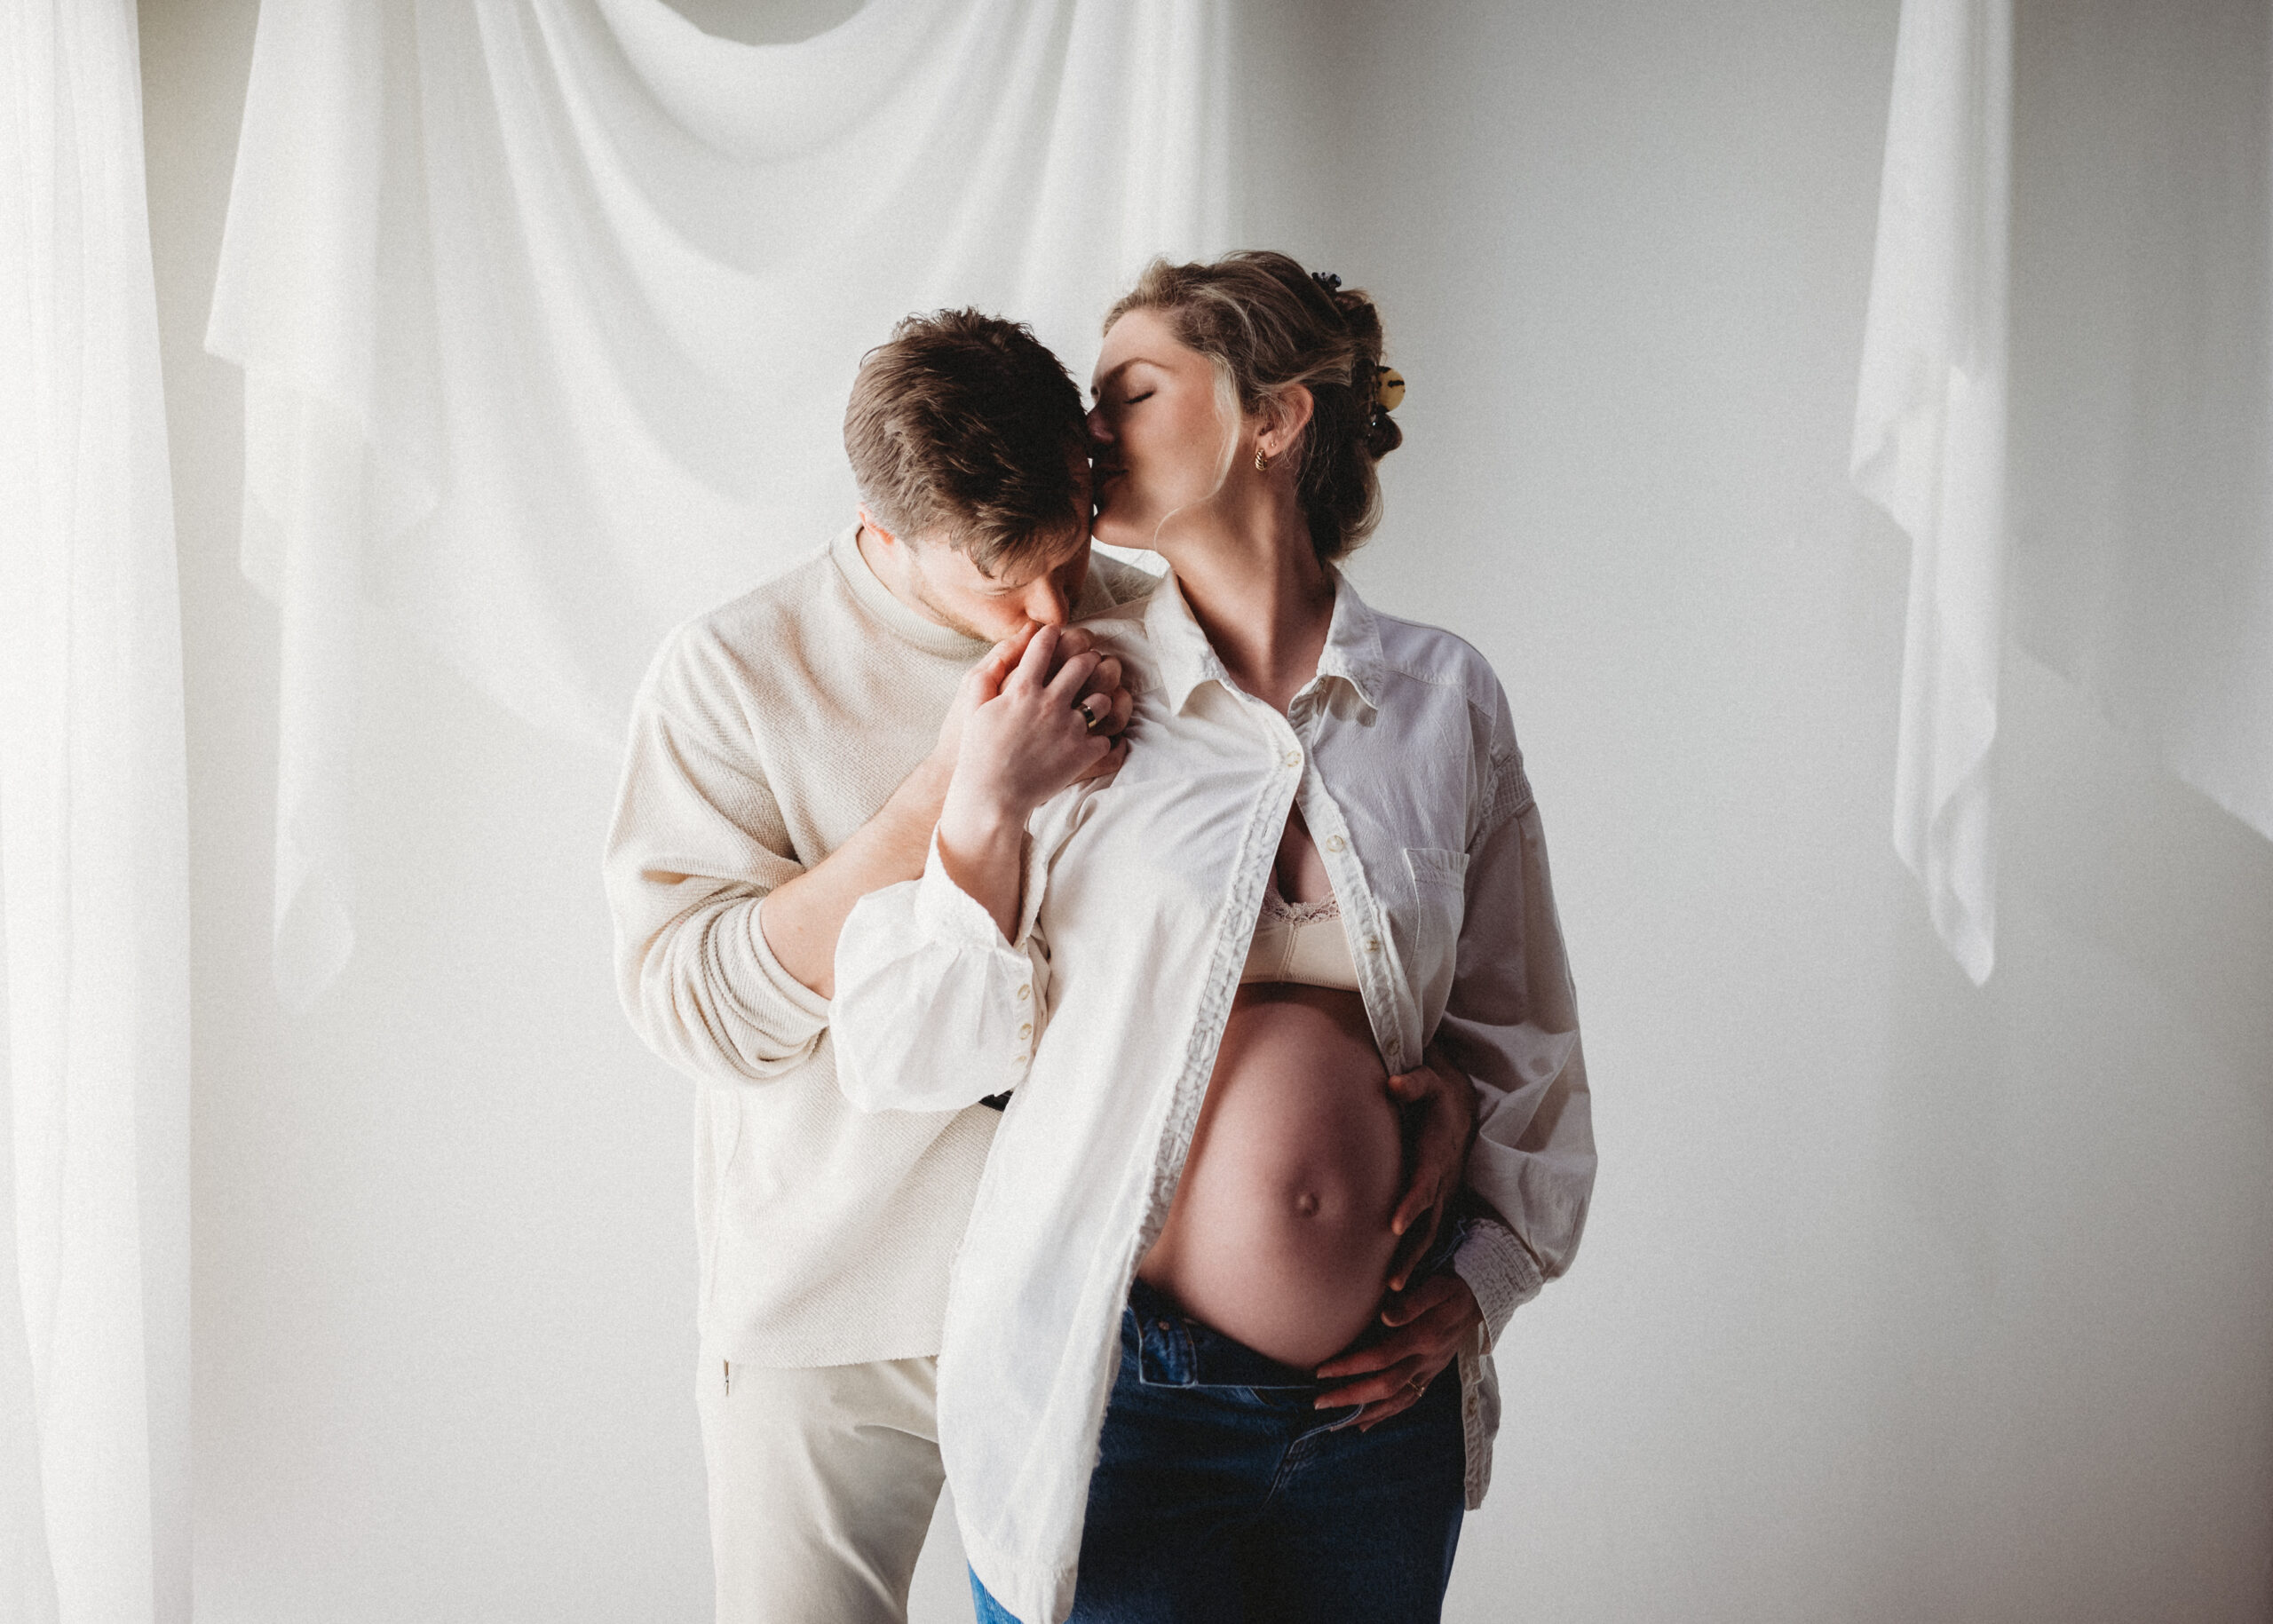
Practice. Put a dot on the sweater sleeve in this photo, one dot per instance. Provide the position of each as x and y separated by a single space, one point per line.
697 842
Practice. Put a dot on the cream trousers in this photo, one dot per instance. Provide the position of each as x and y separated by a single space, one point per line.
823 1484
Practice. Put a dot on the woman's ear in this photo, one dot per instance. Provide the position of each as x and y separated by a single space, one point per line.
1286 414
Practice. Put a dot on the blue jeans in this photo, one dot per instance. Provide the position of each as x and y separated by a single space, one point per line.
1222 1496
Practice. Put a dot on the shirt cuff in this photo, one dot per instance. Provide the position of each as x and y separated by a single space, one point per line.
1500 1271
945 912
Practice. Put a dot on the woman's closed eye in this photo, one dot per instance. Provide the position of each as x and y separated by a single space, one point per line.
1132 399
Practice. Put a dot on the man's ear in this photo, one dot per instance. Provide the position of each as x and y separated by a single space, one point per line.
869 523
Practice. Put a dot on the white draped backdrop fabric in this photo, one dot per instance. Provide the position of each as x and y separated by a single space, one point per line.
94 904
2064 398
548 309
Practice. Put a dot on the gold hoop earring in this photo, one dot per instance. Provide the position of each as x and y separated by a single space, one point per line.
1262 459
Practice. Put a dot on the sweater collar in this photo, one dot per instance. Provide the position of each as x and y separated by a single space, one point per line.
908 624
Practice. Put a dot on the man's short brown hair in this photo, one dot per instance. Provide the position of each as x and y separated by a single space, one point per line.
964 425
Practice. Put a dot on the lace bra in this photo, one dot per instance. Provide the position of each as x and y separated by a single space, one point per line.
1300 943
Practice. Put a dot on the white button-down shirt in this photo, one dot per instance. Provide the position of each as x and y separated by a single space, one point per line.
1140 899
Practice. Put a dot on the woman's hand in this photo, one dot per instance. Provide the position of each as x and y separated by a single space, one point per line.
1025 736
1028 738
1444 1128
1430 1324
984 680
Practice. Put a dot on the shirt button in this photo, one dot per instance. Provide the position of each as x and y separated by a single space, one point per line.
1334 843
1025 993
1025 1028
1372 945
1294 758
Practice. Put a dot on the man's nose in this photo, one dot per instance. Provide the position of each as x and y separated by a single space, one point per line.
1045 602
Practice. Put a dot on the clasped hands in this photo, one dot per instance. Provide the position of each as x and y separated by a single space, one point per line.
1042 710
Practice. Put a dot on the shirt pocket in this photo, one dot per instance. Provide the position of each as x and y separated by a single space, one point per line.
1439 896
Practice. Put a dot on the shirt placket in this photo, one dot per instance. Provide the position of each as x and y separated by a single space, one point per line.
1268 816
1367 929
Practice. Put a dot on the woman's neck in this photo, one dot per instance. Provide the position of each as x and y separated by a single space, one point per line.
1260 595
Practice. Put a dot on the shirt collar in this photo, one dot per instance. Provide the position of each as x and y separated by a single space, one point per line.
1352 651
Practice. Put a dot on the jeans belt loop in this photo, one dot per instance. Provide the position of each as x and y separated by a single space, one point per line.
1164 1353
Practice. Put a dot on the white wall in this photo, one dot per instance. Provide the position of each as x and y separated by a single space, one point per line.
1901 1300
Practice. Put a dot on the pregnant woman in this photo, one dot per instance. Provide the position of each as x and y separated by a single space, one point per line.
1320 858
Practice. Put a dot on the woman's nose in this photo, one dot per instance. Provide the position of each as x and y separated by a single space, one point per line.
1100 429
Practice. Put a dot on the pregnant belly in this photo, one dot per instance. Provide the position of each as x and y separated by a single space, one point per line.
1279 1234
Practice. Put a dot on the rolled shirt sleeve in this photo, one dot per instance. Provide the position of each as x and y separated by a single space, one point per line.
697 842
934 1010
1510 1022
1500 1273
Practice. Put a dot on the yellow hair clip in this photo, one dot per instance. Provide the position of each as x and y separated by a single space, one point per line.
1389 388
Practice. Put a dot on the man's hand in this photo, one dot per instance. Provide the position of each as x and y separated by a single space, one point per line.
1444 1125
1430 1324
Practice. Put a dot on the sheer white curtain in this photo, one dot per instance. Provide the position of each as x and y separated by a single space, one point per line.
2142 375
94 912
1930 438
2067 397
548 309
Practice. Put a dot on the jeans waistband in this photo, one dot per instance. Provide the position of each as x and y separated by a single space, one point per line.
1175 1351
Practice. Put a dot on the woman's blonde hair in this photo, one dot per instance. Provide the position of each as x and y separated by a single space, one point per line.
1267 324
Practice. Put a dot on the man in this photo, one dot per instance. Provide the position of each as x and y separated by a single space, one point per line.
788 753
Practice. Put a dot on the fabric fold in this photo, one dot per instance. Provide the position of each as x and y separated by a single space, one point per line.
2066 399
1929 440
94 888
2143 377
556 303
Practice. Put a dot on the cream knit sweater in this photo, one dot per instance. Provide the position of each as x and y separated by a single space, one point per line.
766 732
